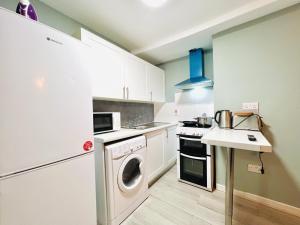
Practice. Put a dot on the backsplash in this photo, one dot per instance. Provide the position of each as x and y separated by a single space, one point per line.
131 113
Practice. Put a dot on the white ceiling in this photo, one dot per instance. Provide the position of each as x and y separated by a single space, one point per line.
168 32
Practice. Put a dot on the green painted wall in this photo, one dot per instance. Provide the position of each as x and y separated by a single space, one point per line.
49 16
178 70
260 61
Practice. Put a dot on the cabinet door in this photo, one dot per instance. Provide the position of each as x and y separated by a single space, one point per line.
136 79
106 71
155 154
156 83
170 146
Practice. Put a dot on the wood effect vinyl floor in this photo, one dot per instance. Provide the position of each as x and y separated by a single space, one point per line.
175 203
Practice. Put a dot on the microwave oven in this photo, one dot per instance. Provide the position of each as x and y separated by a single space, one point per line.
106 122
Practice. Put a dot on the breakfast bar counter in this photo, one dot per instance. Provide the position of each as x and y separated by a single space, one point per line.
234 139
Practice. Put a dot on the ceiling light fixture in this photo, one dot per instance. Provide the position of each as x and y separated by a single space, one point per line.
154 3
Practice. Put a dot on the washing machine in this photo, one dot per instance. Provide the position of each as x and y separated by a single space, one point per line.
126 178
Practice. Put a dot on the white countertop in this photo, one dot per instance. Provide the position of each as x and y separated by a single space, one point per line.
237 139
126 133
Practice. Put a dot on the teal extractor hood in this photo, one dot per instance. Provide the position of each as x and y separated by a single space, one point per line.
197 78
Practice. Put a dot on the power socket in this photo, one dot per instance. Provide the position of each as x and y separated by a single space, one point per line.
254 168
250 106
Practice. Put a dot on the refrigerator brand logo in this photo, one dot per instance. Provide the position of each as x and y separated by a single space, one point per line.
55 41
87 146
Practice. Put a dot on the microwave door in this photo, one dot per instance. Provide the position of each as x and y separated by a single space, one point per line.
103 123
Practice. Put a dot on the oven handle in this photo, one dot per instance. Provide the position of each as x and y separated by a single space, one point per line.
191 139
193 157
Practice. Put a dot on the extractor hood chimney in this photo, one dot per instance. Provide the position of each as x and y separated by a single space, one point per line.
197 78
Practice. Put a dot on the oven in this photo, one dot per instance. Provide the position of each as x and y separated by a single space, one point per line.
195 162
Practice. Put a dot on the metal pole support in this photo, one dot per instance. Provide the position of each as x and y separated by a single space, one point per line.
229 186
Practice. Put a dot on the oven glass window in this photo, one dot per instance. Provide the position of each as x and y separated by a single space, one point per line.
193 170
193 167
192 147
103 122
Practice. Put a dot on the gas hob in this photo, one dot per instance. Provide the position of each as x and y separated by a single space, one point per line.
192 128
192 131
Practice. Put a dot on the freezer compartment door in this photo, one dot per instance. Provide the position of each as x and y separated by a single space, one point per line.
45 95
60 194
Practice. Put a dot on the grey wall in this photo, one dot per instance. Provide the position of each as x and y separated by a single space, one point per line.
178 70
260 61
131 113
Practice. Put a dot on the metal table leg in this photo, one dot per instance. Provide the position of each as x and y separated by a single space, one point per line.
229 187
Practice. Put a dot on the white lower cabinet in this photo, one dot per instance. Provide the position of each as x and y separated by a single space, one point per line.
170 151
161 151
155 153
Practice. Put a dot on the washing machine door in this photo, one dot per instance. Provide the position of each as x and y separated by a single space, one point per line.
131 173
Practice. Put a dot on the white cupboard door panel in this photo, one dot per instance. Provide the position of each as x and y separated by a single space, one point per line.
156 83
155 153
45 97
59 194
106 71
170 146
136 79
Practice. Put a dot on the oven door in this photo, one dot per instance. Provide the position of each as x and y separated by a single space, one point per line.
103 122
193 169
192 146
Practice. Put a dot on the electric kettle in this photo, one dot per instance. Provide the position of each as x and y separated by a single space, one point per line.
224 119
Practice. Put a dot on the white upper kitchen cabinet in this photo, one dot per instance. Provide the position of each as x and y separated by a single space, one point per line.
135 79
117 74
156 83
106 68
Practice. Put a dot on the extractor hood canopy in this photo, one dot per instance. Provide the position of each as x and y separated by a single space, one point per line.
197 78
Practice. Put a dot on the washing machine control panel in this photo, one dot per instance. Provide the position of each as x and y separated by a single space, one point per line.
127 147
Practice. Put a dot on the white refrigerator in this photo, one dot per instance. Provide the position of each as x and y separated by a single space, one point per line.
47 174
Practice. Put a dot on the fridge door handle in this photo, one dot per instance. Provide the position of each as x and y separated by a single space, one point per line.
124 93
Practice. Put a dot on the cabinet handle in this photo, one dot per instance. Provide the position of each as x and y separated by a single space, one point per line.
151 95
190 139
193 157
124 95
127 92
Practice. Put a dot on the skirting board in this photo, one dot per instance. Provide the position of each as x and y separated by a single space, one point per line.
264 201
